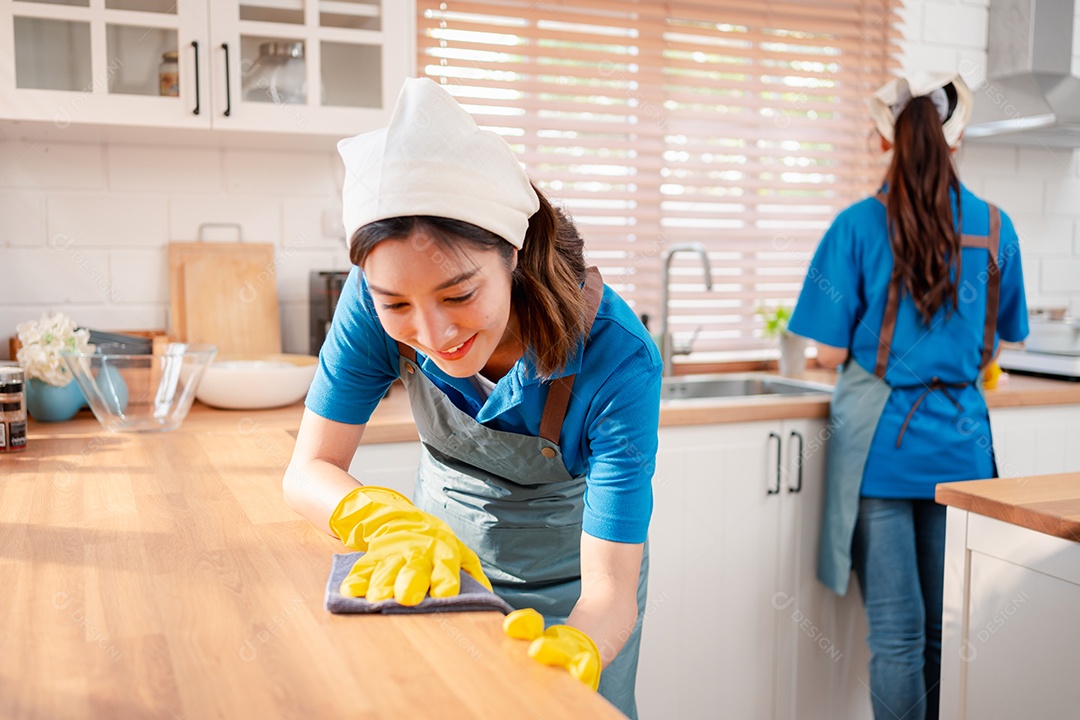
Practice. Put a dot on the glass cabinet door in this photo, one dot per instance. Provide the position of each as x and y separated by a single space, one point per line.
126 62
316 66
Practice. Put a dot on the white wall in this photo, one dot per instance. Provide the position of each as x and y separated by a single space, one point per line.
83 227
1039 188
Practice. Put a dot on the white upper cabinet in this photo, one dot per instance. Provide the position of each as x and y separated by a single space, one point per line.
329 67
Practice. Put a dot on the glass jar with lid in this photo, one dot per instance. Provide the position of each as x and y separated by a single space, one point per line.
278 75
169 75
12 409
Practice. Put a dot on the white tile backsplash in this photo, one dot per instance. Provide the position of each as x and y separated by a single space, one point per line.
142 169
1016 194
39 165
22 219
67 275
259 217
140 276
956 26
1043 234
313 223
107 219
1060 275
267 172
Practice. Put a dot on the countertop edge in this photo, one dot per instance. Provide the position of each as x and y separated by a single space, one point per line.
1028 511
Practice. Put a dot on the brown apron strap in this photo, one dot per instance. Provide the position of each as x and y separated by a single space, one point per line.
407 351
558 398
888 325
993 287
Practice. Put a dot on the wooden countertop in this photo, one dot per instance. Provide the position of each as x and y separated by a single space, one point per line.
1047 503
163 576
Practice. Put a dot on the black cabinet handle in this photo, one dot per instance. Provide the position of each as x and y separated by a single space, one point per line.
228 87
195 45
772 436
798 463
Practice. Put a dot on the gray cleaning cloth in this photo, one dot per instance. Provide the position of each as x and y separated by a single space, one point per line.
473 596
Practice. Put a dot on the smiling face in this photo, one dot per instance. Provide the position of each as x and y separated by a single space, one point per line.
453 306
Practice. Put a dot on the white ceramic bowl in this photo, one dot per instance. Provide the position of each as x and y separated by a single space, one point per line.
257 383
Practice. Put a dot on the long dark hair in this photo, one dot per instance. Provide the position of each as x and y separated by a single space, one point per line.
925 243
545 286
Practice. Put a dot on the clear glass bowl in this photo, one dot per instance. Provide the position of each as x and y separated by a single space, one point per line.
141 393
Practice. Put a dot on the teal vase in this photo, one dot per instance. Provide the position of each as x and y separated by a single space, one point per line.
48 403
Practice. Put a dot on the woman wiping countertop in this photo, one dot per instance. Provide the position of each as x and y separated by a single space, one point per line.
923 279
534 387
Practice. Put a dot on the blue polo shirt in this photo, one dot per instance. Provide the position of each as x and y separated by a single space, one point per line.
843 303
610 430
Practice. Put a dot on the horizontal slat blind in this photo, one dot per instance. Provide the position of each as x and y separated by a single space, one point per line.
738 124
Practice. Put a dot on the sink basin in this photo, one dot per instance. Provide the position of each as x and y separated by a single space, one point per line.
738 385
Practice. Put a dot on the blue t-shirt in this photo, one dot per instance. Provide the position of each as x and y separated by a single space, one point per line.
610 430
843 303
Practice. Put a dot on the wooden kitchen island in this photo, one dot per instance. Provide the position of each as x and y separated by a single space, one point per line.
163 576
1012 591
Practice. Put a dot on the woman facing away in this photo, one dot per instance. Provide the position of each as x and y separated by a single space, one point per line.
923 279
534 387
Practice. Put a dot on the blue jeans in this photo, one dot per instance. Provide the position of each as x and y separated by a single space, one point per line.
898 553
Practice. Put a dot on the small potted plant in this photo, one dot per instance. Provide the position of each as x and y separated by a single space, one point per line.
792 346
51 394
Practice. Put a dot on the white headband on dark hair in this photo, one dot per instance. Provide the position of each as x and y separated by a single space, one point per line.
891 98
432 159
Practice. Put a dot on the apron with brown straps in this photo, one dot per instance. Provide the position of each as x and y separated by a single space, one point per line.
858 402
510 498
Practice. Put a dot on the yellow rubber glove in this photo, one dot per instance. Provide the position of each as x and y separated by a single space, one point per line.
407 551
991 375
559 645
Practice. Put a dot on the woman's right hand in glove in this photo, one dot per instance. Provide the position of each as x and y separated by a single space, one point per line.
407 552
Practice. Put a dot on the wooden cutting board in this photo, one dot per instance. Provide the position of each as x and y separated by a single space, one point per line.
225 294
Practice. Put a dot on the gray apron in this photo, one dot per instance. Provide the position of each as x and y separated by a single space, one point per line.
856 407
510 498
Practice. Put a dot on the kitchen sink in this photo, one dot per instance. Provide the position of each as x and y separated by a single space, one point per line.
738 385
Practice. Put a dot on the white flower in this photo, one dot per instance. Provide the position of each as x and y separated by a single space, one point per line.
43 343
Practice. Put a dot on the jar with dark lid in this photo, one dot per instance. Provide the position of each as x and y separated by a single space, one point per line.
12 410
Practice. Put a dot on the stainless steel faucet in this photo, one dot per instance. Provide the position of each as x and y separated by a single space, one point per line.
667 342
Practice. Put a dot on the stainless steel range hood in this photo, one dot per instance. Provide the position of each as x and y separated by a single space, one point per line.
1030 96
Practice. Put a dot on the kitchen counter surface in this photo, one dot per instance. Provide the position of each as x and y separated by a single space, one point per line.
392 421
1049 504
163 576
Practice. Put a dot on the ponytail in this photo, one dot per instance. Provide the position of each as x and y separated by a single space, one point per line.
924 240
547 291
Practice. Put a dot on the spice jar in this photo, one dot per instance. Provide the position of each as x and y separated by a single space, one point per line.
169 75
278 74
12 410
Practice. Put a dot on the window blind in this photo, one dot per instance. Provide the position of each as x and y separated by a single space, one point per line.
740 124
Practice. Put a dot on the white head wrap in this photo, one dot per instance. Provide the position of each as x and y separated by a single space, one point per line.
432 159
891 98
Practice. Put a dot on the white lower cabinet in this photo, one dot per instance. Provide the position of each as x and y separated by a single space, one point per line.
737 625
1010 632
1038 440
